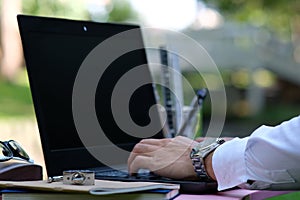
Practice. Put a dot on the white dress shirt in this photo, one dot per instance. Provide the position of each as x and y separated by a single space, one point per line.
269 158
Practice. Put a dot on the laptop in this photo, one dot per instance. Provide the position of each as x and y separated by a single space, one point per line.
56 52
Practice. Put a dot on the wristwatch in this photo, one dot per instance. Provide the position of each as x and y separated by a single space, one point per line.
199 153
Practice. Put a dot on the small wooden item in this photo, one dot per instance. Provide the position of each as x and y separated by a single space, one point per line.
18 170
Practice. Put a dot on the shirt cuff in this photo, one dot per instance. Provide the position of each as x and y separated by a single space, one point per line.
229 163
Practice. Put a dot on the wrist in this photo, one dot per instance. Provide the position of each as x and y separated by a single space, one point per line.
201 156
208 166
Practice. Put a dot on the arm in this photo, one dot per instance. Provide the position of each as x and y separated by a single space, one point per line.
169 157
267 156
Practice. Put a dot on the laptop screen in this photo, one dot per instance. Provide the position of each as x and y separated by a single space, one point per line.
54 50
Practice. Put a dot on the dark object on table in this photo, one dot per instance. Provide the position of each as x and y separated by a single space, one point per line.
18 170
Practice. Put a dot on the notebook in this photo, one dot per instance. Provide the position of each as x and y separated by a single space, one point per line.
74 70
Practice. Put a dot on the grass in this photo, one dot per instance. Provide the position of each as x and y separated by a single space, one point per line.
15 99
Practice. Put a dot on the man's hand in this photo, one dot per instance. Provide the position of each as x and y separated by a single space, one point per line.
169 157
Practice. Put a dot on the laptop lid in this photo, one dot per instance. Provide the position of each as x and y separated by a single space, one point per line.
54 51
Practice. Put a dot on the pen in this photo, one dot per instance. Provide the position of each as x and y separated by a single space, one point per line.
196 102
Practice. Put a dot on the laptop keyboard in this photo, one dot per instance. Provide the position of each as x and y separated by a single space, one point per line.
111 173
143 174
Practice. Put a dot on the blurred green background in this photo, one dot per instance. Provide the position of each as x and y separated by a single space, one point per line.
255 44
278 97
15 100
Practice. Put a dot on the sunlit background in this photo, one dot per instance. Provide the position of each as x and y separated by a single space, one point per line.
255 44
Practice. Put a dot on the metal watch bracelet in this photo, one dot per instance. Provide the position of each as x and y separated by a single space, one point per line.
198 155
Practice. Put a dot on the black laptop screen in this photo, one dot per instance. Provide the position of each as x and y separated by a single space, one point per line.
53 57
61 59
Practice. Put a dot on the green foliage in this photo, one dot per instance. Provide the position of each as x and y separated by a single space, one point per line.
115 11
277 15
58 8
15 100
121 11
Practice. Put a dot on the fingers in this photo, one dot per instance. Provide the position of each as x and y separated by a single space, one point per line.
139 162
160 150
147 146
141 149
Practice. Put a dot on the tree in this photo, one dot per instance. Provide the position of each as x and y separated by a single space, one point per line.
280 16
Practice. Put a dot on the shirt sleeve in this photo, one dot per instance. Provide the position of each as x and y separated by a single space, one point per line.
265 157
